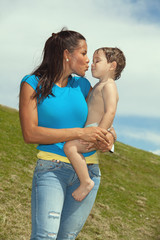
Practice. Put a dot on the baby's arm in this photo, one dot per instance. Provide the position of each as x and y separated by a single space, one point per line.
110 98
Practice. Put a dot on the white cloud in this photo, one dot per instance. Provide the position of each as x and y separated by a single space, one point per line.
157 152
140 134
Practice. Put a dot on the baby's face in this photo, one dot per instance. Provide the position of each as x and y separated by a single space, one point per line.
100 67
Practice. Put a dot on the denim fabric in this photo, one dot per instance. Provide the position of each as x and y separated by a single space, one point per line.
55 213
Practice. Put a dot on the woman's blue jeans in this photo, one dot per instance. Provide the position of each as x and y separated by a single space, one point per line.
55 213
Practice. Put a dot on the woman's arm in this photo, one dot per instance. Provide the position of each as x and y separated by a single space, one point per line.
33 133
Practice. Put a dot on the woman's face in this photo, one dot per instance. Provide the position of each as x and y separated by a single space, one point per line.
79 60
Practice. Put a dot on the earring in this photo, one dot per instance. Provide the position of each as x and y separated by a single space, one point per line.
67 60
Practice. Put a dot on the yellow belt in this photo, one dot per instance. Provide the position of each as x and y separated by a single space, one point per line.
93 159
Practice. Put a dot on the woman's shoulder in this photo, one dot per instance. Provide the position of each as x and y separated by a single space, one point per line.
32 80
83 83
79 80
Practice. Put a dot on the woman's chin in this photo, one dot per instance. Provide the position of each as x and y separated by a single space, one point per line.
81 74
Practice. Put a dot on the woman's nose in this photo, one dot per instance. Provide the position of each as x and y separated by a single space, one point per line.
87 60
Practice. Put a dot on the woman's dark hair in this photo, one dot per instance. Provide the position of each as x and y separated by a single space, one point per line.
51 68
115 54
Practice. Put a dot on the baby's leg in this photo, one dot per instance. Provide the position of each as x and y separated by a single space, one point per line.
73 151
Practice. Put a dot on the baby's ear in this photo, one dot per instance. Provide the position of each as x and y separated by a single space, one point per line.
113 65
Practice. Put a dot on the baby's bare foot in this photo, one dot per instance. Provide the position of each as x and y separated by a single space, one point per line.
82 191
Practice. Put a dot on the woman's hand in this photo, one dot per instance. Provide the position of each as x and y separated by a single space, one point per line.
112 137
94 135
104 148
100 145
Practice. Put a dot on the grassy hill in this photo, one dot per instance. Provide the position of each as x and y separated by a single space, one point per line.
128 202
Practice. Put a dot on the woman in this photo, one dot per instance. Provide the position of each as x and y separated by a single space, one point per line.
53 110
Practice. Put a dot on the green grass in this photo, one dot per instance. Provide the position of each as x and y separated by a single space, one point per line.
128 202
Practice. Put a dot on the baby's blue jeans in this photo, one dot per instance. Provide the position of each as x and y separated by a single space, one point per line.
55 213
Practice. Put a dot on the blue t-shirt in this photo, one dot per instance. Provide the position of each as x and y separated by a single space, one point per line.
66 109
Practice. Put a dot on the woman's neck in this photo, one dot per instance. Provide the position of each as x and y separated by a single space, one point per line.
63 81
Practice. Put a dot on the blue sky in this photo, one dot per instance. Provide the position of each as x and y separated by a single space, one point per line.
145 11
140 132
131 25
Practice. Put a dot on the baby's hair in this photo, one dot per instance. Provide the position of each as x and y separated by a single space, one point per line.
115 54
